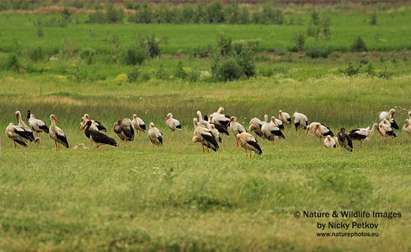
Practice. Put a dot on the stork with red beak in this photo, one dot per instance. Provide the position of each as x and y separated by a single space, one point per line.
56 133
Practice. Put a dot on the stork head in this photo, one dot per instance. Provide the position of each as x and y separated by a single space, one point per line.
151 125
85 116
220 110
409 113
53 118
392 112
18 115
233 119
265 117
342 130
169 115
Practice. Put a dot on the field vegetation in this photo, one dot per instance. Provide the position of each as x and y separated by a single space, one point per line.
339 65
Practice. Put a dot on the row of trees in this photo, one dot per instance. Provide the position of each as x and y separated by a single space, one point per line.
214 12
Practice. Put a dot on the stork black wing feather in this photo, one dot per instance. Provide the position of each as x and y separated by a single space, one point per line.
102 138
44 128
256 147
22 143
222 129
63 140
211 142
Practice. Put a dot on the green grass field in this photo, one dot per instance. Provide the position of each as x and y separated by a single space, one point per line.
138 197
176 198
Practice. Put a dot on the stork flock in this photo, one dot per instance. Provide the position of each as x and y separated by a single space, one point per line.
208 130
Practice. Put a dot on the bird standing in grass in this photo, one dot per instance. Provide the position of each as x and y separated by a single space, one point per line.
300 120
362 134
124 129
248 143
98 137
37 125
28 131
330 142
220 121
284 117
17 134
270 130
155 135
318 129
95 125
385 129
204 136
390 117
235 126
138 123
172 123
344 140
407 125
255 126
56 133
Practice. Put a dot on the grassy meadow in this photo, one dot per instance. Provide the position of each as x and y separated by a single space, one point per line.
176 198
138 197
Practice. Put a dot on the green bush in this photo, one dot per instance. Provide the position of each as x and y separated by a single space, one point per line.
151 44
351 70
12 63
179 72
134 56
226 70
88 54
109 15
36 54
299 42
133 75
359 45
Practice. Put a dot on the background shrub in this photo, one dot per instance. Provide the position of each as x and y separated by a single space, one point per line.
226 70
134 56
359 45
151 44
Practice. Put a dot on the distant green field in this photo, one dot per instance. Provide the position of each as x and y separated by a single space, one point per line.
391 33
176 198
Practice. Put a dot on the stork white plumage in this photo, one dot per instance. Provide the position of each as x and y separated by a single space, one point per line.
235 126
95 125
362 134
172 123
300 120
201 120
204 136
28 131
36 125
255 126
124 129
319 130
155 135
270 130
385 129
17 134
248 143
56 133
284 117
138 123
330 142
220 121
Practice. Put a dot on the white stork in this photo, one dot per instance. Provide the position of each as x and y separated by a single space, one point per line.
17 134
319 130
23 125
235 126
255 126
248 143
138 123
362 134
36 125
171 122
270 130
300 120
204 136
284 117
330 142
124 129
95 125
155 135
56 133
